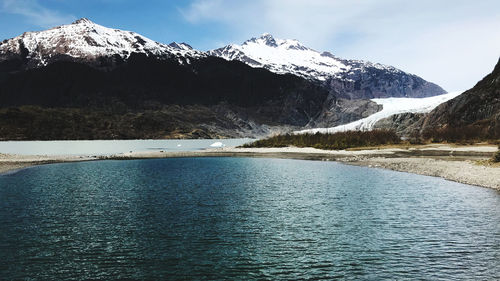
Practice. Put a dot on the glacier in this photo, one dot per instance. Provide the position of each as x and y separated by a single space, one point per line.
390 106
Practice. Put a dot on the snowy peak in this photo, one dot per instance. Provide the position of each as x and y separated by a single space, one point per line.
83 21
265 39
268 40
291 56
283 56
86 40
346 78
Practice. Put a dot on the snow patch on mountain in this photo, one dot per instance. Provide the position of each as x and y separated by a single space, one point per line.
390 106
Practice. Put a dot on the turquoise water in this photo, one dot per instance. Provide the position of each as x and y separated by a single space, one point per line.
107 147
243 219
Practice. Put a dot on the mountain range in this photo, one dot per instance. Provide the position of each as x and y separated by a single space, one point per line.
83 80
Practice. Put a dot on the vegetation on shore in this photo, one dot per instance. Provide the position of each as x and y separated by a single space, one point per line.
379 137
335 141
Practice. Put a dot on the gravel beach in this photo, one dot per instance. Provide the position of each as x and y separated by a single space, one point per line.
465 164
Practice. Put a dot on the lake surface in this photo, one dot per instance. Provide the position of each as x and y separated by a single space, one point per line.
243 219
106 147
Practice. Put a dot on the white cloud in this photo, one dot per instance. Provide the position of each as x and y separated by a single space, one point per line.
35 13
451 42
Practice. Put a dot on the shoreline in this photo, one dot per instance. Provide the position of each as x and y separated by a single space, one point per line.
10 163
464 164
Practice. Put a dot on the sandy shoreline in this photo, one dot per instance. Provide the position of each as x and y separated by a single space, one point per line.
464 164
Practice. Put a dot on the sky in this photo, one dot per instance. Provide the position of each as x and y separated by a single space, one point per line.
453 43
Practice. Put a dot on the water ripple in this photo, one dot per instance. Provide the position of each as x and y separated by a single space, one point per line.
239 218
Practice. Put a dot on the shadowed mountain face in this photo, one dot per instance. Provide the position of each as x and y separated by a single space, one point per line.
240 99
142 80
479 106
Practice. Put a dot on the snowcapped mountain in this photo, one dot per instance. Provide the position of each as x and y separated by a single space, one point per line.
345 78
283 56
87 41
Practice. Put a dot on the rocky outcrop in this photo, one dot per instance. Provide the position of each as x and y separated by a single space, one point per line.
474 115
368 81
481 104
341 111
404 124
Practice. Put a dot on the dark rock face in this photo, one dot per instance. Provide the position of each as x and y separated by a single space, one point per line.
368 82
404 124
479 105
342 111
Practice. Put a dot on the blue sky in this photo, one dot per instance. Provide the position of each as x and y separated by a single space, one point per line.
452 43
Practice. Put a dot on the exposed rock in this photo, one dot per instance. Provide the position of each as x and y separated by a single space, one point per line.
479 104
404 124
342 111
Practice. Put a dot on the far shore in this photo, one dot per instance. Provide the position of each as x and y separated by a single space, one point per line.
468 164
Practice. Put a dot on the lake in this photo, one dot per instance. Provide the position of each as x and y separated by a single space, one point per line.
243 219
107 147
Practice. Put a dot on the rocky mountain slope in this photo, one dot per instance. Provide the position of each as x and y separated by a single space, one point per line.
479 106
351 79
475 114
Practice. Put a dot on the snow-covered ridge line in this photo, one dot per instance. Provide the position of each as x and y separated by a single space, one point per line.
390 106
350 79
291 56
84 39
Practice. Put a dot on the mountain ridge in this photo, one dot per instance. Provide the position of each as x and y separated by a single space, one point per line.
352 79
86 41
